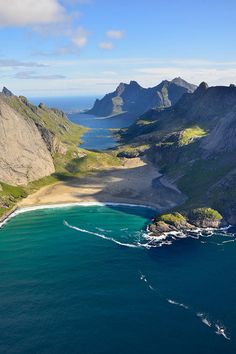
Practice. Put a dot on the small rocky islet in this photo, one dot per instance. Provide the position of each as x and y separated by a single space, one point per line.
190 221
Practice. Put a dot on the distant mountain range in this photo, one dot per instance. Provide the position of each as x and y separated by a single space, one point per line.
135 100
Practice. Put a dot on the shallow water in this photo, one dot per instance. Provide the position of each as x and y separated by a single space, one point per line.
70 283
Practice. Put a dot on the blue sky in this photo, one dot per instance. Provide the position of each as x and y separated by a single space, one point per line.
86 47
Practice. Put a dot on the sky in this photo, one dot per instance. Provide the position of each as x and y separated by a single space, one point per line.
86 47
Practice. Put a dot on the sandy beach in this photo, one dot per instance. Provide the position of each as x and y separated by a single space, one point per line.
130 183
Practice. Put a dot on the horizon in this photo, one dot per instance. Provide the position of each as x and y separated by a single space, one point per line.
99 96
63 46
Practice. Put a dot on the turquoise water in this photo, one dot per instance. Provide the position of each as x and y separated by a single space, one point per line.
70 291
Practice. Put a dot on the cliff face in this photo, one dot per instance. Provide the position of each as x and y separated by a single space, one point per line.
24 156
194 144
133 99
33 139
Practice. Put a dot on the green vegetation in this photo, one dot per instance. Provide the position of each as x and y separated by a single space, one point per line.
202 175
9 195
208 213
144 122
132 150
172 218
52 119
93 161
191 134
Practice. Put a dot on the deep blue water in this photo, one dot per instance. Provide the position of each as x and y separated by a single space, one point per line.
71 288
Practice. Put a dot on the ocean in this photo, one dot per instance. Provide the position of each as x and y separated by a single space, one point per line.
84 279
70 104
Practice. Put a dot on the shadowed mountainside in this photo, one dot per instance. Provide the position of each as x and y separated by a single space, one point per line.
134 99
194 144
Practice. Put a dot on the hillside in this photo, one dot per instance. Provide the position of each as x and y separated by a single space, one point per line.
135 100
194 145
35 142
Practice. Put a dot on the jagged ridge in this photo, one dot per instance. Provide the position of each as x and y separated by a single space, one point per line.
134 99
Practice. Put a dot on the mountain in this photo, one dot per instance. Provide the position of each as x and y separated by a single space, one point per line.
32 138
194 145
24 155
134 99
35 142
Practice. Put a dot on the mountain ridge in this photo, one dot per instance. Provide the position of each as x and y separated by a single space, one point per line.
134 99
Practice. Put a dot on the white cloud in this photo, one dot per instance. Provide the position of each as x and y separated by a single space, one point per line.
115 34
106 45
31 75
109 73
95 75
31 12
11 63
80 37
214 75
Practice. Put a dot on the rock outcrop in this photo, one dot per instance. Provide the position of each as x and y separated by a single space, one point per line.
203 218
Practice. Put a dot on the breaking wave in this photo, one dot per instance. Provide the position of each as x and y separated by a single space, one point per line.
206 319
217 237
130 245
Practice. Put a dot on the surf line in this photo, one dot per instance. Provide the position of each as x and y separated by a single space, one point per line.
220 329
130 245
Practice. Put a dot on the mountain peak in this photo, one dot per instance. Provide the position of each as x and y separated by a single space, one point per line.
202 88
7 92
178 80
134 83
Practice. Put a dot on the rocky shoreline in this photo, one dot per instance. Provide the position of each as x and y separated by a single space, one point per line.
191 221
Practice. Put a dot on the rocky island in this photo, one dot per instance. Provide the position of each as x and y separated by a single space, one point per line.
200 218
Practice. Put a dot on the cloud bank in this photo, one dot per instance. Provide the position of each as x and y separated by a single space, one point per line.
31 12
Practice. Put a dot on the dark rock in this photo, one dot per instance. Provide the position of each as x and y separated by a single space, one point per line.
43 106
7 92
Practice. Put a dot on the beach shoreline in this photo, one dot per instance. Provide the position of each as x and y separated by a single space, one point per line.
130 184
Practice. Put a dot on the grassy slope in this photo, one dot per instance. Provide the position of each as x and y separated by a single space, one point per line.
175 145
53 120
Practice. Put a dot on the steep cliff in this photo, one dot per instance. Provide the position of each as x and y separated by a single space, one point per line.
32 139
24 156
